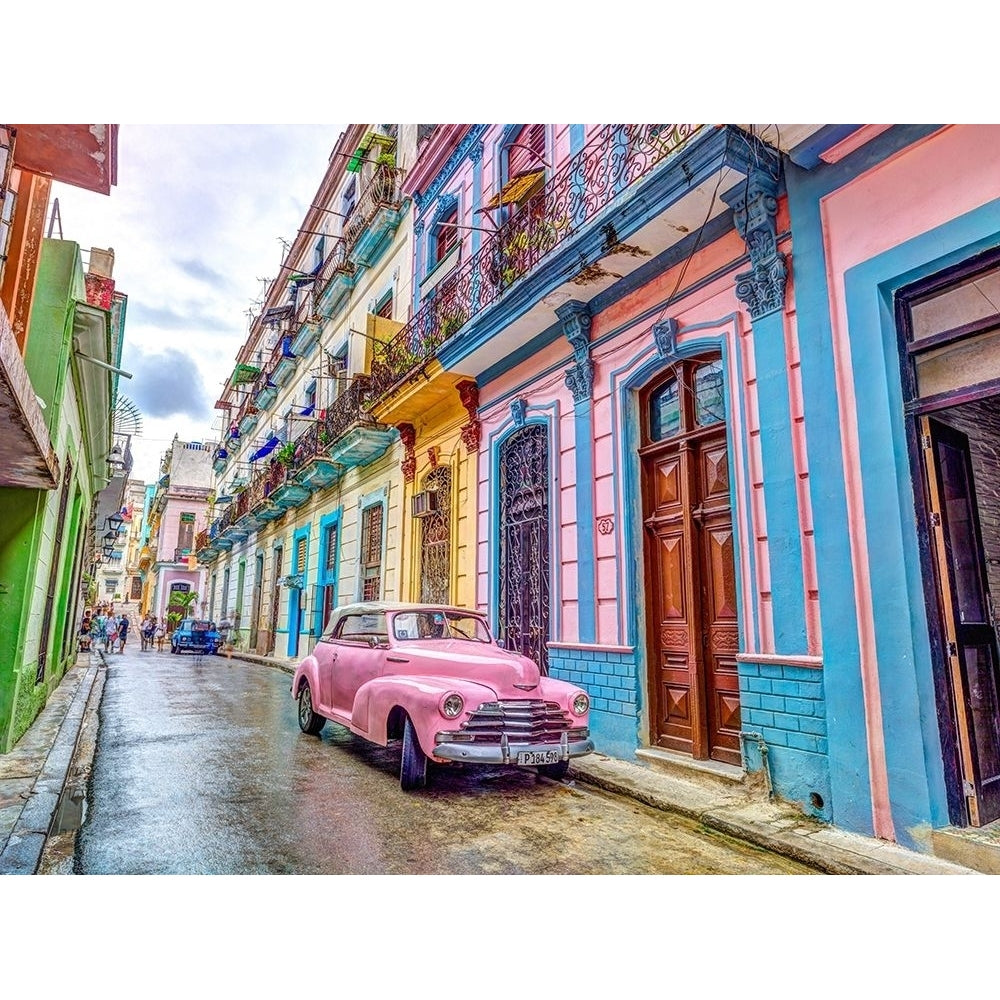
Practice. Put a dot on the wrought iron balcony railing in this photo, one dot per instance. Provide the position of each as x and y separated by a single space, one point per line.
618 156
382 191
336 262
347 410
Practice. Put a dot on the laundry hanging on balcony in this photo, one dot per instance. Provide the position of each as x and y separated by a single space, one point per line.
243 374
265 449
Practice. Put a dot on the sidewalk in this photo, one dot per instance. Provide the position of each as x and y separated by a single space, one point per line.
34 774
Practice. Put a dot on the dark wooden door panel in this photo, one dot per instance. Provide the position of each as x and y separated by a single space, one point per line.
972 653
693 590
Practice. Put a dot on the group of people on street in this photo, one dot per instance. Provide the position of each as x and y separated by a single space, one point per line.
152 631
103 629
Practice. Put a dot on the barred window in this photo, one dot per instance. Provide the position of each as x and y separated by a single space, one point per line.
371 553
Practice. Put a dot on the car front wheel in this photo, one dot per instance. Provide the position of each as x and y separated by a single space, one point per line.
413 766
309 722
173 648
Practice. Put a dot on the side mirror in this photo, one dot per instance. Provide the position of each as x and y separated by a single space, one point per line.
373 641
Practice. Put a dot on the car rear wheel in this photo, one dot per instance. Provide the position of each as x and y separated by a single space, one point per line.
413 766
555 771
309 722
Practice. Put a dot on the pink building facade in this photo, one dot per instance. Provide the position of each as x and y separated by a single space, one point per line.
735 400
179 511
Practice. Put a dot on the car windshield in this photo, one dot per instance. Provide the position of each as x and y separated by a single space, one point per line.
438 624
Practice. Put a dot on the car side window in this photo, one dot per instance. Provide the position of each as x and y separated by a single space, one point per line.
361 628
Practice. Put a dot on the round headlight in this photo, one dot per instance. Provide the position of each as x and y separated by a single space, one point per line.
452 706
580 704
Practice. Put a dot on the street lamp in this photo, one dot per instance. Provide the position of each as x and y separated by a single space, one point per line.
108 551
115 521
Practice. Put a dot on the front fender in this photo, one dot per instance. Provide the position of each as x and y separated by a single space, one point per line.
307 670
419 697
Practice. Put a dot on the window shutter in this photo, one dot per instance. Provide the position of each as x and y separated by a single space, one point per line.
521 159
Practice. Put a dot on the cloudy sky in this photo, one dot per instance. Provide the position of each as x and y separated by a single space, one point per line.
196 219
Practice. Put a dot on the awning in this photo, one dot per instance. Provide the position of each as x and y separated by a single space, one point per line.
516 190
265 449
276 313
244 373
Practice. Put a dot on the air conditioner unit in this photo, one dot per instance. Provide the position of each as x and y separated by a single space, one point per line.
425 503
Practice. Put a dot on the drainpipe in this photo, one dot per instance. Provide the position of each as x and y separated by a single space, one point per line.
765 765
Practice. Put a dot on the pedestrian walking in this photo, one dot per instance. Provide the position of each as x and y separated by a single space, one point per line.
160 634
123 627
111 635
146 630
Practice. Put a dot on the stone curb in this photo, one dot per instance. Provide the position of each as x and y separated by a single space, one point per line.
23 850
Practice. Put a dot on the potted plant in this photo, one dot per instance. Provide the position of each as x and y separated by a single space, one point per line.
451 323
286 453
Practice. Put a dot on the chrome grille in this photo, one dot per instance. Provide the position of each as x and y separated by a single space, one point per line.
519 721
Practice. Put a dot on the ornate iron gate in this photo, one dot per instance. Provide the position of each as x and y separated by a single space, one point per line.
524 543
435 541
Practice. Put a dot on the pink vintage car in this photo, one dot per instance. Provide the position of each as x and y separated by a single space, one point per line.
433 677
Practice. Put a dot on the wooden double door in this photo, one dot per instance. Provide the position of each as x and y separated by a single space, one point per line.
693 630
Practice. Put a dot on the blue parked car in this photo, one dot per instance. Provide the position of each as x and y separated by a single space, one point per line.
196 635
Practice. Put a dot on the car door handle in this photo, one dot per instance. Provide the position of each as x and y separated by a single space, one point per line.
398 659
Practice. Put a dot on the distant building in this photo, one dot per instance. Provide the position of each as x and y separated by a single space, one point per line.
178 512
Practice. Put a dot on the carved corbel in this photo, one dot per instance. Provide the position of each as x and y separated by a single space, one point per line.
408 435
755 208
468 392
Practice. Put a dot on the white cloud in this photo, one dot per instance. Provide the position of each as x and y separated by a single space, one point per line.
197 217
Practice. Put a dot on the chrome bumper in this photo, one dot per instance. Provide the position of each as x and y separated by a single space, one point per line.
506 752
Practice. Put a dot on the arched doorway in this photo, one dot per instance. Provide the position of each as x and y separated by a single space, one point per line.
523 620
690 570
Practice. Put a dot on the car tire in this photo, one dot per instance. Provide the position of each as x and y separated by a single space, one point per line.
309 722
413 765
173 648
555 771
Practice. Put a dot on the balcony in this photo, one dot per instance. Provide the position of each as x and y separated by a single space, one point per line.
630 195
27 458
283 361
307 323
354 437
262 484
375 218
335 280
203 548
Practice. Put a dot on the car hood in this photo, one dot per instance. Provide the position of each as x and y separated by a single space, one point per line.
508 674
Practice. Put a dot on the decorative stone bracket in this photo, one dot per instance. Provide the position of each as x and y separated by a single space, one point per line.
575 318
755 206
408 435
471 432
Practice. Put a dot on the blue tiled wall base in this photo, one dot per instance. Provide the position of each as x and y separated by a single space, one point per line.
786 706
609 679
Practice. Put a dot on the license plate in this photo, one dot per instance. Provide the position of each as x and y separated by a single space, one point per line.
538 757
